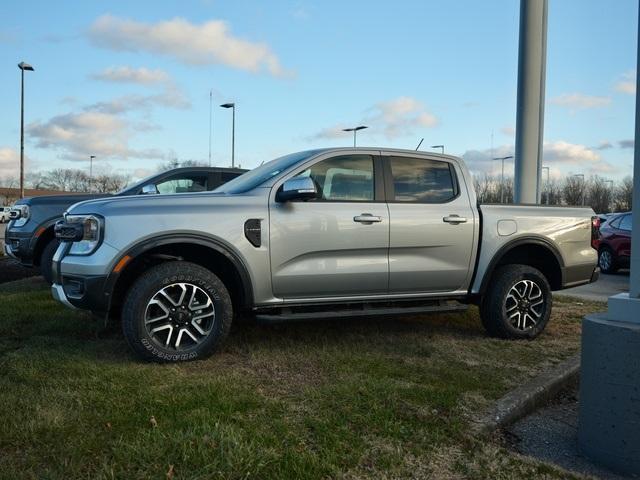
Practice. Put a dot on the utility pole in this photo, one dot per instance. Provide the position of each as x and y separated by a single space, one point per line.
532 58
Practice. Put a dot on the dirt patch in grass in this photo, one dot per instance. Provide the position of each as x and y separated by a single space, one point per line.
349 398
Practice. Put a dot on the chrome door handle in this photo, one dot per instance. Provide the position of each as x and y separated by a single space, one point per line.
367 218
455 219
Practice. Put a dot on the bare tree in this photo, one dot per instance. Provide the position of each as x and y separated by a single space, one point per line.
624 195
600 195
573 190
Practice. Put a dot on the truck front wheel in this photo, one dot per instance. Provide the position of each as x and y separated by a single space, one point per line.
176 311
517 304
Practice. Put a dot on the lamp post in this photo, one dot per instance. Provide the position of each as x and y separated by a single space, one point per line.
502 176
354 130
22 66
581 175
441 147
91 157
610 193
547 185
232 106
210 121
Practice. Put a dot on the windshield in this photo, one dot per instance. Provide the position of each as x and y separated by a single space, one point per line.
136 185
264 172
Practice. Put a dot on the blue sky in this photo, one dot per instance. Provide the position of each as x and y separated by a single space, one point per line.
129 81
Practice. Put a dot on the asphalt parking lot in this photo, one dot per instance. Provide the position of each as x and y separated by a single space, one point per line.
600 291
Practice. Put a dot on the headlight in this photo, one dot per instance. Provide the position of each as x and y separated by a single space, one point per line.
20 215
92 229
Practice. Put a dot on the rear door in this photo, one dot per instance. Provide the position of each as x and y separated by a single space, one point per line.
431 225
337 245
624 241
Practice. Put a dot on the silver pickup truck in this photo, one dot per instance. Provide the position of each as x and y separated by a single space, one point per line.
320 233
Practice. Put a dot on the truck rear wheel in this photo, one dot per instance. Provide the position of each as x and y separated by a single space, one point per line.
176 311
517 304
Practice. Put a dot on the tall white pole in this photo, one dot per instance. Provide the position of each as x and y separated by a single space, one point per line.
634 280
532 58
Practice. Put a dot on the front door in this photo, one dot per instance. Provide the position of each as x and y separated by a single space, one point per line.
432 226
336 245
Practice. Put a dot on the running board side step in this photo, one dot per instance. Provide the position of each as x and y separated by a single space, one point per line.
284 314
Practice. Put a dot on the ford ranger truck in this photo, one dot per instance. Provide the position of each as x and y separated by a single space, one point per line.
321 233
30 238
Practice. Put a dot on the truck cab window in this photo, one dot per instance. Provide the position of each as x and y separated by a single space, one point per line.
420 180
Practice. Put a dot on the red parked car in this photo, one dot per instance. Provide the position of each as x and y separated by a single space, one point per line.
615 243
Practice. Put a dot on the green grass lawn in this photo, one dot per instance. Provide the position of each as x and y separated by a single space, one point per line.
367 398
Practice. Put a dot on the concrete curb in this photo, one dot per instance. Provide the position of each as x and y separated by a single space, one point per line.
529 397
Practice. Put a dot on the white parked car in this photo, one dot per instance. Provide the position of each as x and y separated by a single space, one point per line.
4 214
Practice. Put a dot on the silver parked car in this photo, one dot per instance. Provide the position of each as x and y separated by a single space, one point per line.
320 233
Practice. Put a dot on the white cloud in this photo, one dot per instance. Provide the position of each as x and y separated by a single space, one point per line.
204 44
394 118
126 74
568 153
627 83
171 97
578 101
78 135
509 130
401 116
9 162
604 145
558 154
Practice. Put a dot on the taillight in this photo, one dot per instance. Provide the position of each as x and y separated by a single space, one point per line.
595 232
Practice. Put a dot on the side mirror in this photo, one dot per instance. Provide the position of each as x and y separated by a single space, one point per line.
149 189
297 188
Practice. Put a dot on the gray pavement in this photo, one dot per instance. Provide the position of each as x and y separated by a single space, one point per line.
601 290
550 435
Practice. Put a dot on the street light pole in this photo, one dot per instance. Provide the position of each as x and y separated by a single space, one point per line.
354 130
547 185
91 157
210 121
441 147
22 66
232 106
581 175
502 177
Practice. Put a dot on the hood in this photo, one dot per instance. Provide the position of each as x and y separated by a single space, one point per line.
60 199
104 206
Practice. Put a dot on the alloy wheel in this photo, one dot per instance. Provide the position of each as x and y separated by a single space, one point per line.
179 316
525 305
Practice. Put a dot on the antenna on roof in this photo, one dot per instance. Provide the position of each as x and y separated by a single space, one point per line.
422 140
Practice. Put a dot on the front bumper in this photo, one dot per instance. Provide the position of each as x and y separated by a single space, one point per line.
18 245
82 281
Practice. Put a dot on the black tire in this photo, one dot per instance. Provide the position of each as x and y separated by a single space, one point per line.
47 258
150 290
607 260
508 311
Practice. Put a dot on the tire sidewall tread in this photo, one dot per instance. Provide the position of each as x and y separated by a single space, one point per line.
157 277
492 307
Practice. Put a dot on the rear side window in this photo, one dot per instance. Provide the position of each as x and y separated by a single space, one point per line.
626 223
615 223
417 180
